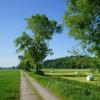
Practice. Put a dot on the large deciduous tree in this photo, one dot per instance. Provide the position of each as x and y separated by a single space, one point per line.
83 19
35 48
41 26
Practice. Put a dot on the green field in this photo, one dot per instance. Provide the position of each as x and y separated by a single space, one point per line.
63 83
68 89
71 74
9 84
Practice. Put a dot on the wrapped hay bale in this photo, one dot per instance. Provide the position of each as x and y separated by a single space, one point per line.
90 78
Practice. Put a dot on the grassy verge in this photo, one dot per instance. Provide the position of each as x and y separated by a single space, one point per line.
69 89
9 84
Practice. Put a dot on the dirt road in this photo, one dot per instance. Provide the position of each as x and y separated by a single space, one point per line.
26 91
32 90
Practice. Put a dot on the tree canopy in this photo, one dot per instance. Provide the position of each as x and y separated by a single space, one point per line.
35 48
40 25
72 62
83 19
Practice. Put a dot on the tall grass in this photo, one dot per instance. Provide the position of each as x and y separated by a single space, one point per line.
9 84
68 89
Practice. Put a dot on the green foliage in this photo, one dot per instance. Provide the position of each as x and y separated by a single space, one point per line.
72 90
35 48
9 85
34 51
42 26
23 42
25 65
83 19
74 62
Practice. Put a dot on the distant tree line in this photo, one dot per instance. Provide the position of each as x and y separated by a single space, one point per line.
72 62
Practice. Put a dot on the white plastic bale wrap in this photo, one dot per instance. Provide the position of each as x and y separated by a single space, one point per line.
90 78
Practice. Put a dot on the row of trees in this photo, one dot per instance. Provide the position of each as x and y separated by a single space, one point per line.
34 48
72 62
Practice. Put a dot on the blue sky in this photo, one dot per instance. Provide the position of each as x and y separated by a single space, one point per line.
12 24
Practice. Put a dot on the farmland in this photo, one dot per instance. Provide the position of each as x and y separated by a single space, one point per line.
65 84
9 84
71 74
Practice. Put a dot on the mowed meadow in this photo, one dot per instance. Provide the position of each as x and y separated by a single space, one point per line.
65 84
74 74
9 84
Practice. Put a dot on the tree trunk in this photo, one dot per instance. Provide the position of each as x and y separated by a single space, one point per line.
38 70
